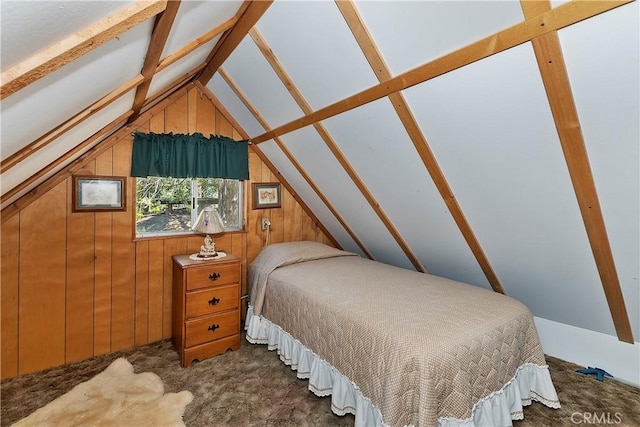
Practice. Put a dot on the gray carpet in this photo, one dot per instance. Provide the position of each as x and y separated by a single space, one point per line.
251 387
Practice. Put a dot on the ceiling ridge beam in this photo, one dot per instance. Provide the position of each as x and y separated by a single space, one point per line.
161 29
124 131
69 124
554 74
245 100
555 19
216 102
61 53
195 44
221 52
168 89
381 70
287 81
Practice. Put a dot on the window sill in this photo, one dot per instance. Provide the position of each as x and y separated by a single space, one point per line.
178 235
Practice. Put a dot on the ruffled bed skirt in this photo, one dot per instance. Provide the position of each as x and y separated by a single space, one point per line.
531 382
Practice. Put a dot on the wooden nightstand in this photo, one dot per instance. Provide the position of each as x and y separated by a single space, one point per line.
206 307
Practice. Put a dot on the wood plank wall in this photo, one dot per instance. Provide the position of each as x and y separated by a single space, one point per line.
77 285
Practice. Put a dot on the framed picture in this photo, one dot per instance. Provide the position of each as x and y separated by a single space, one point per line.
266 195
99 193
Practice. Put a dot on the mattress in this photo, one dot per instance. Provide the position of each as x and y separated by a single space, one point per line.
419 349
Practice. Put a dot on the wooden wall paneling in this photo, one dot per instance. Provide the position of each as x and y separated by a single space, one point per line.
175 116
141 335
156 290
205 115
194 243
102 267
192 111
80 277
223 126
308 228
565 115
42 282
255 238
123 256
171 247
9 274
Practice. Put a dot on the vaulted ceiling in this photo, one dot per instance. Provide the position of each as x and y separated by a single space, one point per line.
494 143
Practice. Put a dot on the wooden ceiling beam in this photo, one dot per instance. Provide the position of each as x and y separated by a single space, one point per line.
560 17
333 147
76 45
115 132
381 70
159 35
565 115
221 52
195 44
204 90
74 121
96 137
285 150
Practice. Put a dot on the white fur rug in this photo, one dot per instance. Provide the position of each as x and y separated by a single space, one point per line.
115 397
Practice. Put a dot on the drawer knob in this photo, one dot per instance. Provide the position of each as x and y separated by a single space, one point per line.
214 276
213 327
214 301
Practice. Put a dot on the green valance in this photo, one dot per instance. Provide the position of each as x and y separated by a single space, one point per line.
189 156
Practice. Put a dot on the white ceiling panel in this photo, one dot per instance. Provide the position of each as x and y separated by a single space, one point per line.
66 142
257 80
602 60
27 30
232 103
174 71
195 18
377 145
291 174
43 105
317 49
323 168
491 129
411 33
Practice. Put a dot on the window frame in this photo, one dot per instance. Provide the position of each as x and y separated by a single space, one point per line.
194 214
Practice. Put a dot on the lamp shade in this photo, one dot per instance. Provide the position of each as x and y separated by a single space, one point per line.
208 221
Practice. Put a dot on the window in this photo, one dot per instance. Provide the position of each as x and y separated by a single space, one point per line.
167 206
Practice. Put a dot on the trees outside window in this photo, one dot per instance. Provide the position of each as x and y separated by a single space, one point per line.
171 205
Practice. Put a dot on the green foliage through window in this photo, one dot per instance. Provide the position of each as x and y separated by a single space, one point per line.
171 205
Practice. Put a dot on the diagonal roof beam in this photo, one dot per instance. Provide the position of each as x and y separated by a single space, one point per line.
61 53
204 90
190 47
292 159
333 147
381 70
565 115
221 52
560 17
69 124
159 36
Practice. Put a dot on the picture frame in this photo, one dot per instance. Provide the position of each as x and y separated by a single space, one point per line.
266 195
99 193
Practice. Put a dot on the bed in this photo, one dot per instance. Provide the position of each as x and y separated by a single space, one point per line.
393 346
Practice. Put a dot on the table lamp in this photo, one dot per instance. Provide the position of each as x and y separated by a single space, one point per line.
208 222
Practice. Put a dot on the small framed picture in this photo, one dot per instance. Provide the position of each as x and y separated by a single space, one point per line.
266 195
99 193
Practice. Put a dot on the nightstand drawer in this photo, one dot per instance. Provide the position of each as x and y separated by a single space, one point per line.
214 275
211 328
212 300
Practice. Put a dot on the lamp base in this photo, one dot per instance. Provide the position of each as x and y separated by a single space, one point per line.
207 255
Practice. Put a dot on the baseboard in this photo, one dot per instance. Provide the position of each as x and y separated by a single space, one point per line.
589 348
